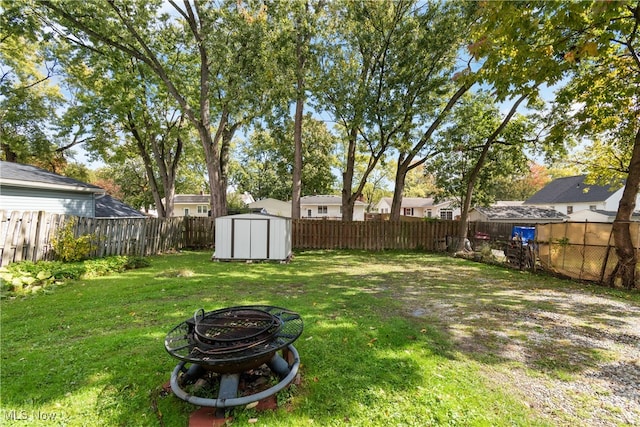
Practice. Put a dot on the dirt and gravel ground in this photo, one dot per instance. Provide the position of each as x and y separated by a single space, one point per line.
573 355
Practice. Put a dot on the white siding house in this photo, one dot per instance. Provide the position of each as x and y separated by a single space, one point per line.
420 207
28 188
191 204
272 207
571 194
329 207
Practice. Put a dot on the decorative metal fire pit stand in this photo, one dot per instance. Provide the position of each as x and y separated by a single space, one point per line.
223 344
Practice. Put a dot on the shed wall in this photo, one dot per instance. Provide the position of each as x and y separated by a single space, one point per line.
252 237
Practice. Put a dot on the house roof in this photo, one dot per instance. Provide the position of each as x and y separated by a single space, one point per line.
608 214
19 175
324 200
571 189
108 207
520 213
416 202
192 198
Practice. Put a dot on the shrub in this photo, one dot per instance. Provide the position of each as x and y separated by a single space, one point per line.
69 248
27 277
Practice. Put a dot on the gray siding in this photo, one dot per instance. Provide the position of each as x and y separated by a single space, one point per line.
52 201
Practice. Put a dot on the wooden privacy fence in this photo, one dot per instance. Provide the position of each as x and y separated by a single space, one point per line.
372 235
27 236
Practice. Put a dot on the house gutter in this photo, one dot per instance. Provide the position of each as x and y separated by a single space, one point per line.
50 186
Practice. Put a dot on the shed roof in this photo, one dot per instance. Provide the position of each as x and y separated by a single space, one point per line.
571 189
255 215
19 175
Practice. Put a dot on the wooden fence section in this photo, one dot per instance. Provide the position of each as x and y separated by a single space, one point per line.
199 232
371 235
27 236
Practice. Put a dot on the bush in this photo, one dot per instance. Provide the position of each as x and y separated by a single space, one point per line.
28 277
69 248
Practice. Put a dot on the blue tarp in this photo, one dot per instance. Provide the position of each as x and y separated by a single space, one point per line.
524 233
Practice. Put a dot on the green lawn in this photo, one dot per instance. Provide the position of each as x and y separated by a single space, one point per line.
91 352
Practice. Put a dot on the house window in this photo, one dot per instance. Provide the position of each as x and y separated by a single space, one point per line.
408 211
203 209
446 214
309 213
569 210
322 209
429 213
186 211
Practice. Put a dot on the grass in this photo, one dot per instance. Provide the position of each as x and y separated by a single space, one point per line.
91 353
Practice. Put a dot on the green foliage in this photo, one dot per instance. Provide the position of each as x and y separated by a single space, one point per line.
67 247
266 161
28 277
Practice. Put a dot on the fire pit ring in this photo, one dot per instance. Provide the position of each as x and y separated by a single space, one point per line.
229 402
222 344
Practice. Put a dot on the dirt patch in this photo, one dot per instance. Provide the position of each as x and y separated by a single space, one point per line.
574 357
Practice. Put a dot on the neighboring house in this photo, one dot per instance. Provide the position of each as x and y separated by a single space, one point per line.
420 207
272 207
516 214
587 215
29 188
198 204
191 204
108 207
329 207
571 194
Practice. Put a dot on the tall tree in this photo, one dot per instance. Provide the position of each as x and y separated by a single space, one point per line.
436 89
28 97
266 162
115 95
594 44
224 45
387 70
296 25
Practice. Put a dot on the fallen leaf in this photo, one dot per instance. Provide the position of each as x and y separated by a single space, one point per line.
251 405
253 420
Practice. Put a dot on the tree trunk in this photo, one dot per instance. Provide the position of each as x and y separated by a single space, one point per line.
347 177
406 163
396 204
296 189
624 273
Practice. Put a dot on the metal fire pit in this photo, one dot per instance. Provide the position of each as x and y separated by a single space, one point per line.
229 342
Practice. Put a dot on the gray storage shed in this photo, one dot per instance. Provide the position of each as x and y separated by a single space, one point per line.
253 236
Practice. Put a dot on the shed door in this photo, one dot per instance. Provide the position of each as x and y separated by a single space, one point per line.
250 239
